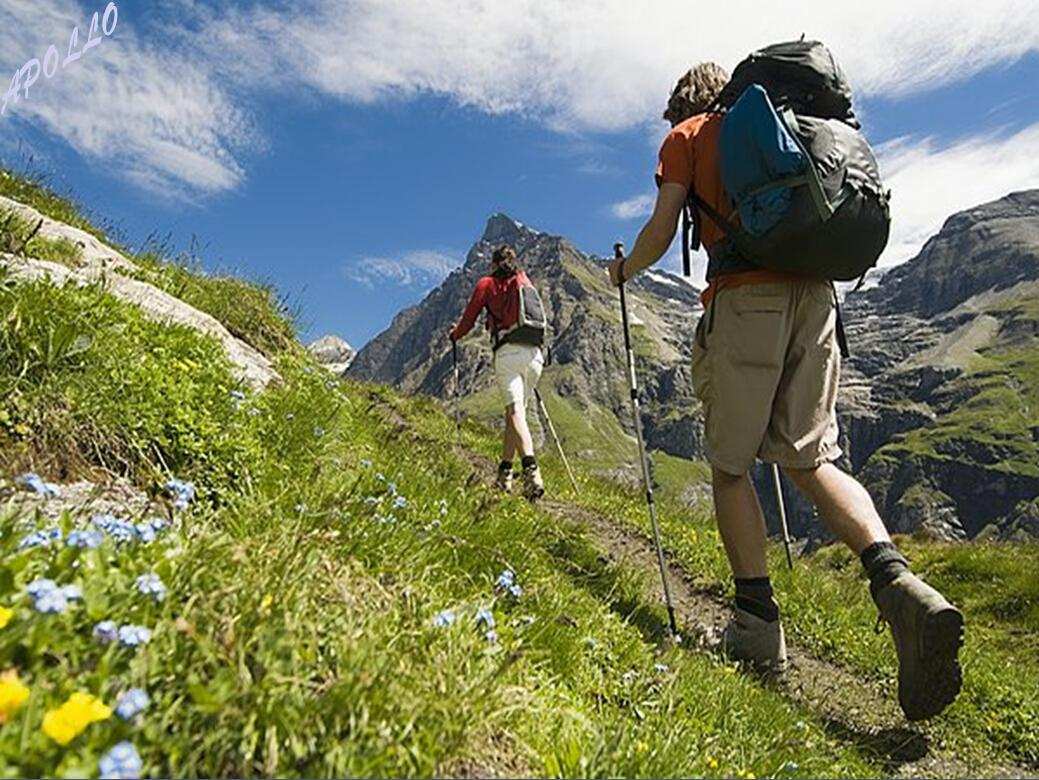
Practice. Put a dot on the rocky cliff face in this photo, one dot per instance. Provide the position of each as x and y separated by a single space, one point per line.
939 405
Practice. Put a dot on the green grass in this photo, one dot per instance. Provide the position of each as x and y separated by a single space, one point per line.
17 235
249 310
32 191
297 638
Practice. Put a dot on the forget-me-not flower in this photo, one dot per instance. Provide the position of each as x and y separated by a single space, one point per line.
39 587
122 762
132 703
444 619
41 538
132 636
34 483
182 493
400 502
151 585
86 538
106 631
485 617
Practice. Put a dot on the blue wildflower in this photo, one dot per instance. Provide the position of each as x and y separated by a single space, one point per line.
33 482
392 487
41 538
72 592
365 463
515 590
319 432
144 532
381 477
400 502
443 508
120 530
52 602
151 585
158 524
505 579
491 636
106 631
373 500
182 493
132 636
122 762
88 538
661 668
485 617
444 619
132 703
39 587
237 396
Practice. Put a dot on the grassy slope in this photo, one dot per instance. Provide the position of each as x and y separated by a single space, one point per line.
297 638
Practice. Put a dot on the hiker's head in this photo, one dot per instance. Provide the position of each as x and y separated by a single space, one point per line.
695 91
503 262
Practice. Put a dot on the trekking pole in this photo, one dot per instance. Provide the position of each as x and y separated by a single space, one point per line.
555 438
782 514
618 251
458 413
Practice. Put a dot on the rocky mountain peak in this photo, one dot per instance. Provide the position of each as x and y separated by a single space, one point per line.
503 229
332 352
989 247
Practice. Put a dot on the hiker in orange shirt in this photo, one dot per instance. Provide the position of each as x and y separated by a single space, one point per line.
765 366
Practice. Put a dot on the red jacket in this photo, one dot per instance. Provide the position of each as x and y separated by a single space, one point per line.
498 297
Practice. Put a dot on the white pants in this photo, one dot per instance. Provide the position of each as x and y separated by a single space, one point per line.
517 367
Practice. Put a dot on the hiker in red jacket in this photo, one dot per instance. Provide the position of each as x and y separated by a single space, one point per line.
765 366
512 307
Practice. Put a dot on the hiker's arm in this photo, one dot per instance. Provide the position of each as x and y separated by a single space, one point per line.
472 311
656 236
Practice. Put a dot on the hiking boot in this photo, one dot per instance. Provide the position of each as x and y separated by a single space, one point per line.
759 643
533 485
504 480
928 634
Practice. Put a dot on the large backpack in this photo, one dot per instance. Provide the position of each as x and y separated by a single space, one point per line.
802 177
531 325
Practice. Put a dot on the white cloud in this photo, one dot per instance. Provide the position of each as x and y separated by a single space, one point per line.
164 99
148 112
929 183
420 269
602 64
636 206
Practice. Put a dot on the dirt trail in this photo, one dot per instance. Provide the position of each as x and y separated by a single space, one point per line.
852 709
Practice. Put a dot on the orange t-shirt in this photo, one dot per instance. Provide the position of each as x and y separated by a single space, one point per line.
689 157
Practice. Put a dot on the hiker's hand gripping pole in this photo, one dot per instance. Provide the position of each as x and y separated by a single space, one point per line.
618 251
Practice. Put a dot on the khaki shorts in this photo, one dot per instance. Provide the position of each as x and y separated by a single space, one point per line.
766 370
517 369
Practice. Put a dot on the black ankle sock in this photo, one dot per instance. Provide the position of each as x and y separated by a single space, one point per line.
505 465
882 562
529 461
754 595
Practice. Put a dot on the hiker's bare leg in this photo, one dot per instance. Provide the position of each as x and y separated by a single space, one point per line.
510 439
741 524
516 415
843 503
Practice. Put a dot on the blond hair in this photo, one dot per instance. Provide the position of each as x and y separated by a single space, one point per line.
695 92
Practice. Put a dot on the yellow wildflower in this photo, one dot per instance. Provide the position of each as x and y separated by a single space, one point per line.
13 694
68 721
5 616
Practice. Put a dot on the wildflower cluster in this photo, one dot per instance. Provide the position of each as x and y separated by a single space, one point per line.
34 483
49 598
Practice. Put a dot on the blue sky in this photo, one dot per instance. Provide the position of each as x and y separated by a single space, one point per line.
350 153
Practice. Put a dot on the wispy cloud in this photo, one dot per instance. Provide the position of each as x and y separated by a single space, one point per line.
418 270
154 114
167 99
637 206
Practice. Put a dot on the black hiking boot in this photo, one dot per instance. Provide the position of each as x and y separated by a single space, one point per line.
928 634
533 485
